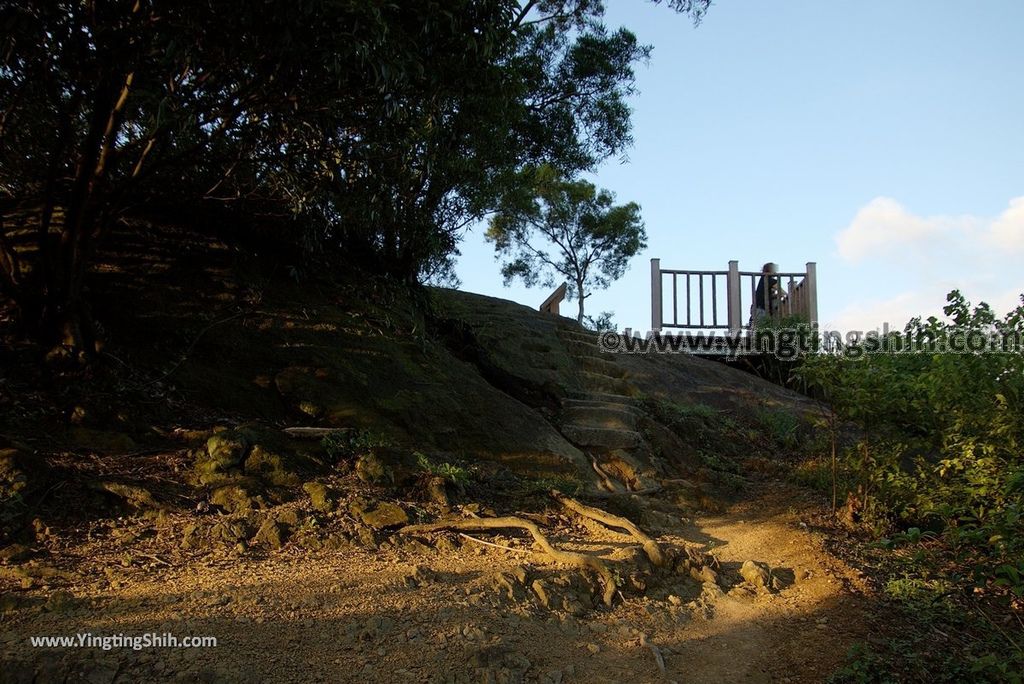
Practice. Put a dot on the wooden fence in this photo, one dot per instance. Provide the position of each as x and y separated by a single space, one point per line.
724 300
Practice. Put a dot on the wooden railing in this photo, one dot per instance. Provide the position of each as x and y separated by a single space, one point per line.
550 304
714 300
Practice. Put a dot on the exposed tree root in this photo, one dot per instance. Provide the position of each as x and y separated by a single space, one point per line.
578 560
606 481
650 546
646 491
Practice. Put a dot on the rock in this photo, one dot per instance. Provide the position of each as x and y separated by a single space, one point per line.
138 498
323 498
225 451
271 467
379 514
420 576
593 648
235 498
372 469
60 602
15 553
756 574
290 517
270 534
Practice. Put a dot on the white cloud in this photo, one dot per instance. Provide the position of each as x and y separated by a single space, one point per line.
1008 230
881 225
887 249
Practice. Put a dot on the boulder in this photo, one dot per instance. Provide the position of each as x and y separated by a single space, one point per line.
271 534
322 497
756 574
271 467
379 514
138 498
236 498
225 451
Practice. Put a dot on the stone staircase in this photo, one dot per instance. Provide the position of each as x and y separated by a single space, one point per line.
603 418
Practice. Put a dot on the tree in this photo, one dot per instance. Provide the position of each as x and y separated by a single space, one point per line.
375 132
567 229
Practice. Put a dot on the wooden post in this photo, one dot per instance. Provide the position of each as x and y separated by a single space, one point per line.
811 294
732 292
655 294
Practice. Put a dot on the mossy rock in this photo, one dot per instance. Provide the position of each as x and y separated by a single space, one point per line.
237 498
135 497
223 455
272 467
271 534
266 454
379 514
323 498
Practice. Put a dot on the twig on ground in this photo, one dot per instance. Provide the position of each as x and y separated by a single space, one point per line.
487 543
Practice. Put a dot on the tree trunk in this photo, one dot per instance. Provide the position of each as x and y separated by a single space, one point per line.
579 296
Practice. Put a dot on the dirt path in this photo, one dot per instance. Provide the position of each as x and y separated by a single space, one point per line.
358 615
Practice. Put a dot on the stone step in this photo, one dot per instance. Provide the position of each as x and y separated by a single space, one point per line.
602 366
615 416
581 349
578 335
598 382
600 398
605 438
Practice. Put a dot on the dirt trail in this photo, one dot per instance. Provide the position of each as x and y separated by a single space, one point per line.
360 615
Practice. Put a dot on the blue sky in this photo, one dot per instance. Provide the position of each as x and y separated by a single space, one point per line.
882 140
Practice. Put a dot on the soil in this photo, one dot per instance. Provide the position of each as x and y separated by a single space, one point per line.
433 612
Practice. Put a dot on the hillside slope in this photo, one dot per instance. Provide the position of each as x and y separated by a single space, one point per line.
256 457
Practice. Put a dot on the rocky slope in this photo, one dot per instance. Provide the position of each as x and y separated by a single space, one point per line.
262 460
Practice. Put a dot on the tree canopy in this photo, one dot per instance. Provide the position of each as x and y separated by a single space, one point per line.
557 228
366 130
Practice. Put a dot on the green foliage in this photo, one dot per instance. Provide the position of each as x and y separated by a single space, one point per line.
782 426
904 659
455 474
930 454
603 321
378 131
551 229
343 445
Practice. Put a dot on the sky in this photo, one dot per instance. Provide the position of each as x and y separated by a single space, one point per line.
882 140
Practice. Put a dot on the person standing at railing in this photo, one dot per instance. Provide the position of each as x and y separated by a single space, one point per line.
767 296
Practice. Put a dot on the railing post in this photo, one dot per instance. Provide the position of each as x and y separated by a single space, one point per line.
811 295
732 290
656 294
